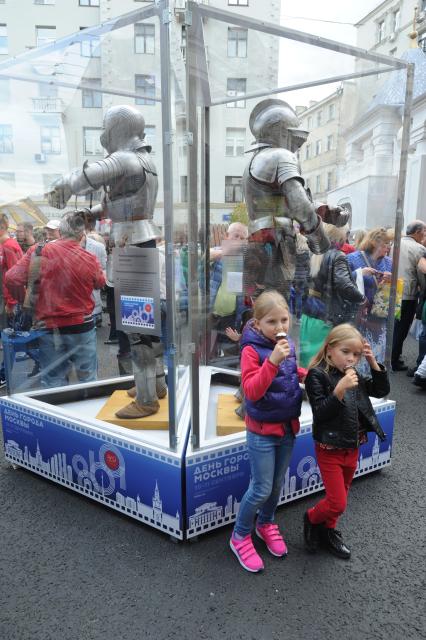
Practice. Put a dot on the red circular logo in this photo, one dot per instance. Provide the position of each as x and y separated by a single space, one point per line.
148 308
111 460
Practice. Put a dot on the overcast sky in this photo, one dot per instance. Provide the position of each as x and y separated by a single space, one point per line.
301 63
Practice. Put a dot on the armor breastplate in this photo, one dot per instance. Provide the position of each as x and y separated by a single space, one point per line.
262 184
130 204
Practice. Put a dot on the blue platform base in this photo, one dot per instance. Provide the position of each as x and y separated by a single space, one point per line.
183 493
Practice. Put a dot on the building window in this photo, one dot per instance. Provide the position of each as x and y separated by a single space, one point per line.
145 85
91 143
330 142
6 138
44 35
238 3
184 188
422 44
235 141
150 136
380 31
319 118
236 87
330 180
3 39
44 1
145 38
90 98
8 177
50 140
233 189
396 20
90 46
237 42
318 184
307 152
88 3
318 147
331 111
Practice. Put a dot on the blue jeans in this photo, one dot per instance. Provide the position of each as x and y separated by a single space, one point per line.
59 352
269 459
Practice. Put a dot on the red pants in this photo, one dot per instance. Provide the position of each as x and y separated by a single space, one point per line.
337 468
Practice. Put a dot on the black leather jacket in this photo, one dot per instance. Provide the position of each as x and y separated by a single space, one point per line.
339 423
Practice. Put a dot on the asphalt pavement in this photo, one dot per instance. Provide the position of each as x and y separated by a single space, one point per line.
74 570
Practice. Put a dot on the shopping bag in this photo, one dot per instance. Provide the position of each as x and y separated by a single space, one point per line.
380 304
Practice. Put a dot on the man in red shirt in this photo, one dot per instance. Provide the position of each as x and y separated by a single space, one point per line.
67 275
10 253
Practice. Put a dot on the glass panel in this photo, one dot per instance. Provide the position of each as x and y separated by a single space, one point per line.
71 158
298 125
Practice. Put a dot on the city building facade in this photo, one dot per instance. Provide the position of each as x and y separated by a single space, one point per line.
62 121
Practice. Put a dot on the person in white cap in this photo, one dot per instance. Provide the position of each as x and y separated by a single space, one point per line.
52 230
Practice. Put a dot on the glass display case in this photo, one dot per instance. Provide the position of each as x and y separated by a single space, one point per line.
159 141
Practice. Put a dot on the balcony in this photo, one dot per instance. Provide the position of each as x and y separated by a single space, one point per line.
47 105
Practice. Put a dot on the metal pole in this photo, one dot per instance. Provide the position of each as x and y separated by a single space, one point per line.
193 295
299 36
399 219
302 85
166 115
207 231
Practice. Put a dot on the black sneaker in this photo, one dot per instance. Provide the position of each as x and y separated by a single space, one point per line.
2 383
399 366
311 534
332 540
411 371
419 381
34 371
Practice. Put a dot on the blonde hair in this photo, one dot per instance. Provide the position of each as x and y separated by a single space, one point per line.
373 238
267 302
359 237
338 334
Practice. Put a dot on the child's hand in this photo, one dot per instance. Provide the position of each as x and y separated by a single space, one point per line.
349 381
281 352
232 334
368 353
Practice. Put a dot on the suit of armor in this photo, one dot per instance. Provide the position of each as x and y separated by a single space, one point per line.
275 197
130 182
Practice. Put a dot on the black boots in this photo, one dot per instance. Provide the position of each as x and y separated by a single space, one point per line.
311 533
332 540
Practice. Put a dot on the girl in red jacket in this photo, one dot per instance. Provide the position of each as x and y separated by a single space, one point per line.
273 401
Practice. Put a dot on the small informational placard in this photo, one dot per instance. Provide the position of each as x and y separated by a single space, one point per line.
233 263
137 290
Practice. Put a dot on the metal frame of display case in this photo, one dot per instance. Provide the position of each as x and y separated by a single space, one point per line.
203 479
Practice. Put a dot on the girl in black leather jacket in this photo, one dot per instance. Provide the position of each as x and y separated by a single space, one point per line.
342 416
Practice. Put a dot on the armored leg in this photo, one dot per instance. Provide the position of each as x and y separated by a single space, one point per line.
144 368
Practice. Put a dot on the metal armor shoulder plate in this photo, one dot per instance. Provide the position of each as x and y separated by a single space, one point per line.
274 165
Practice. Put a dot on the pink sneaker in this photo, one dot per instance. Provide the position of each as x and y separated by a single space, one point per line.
246 554
270 534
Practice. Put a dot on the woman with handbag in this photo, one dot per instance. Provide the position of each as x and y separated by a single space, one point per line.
372 262
333 296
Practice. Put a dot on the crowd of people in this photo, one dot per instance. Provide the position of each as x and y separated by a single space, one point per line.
350 282
342 285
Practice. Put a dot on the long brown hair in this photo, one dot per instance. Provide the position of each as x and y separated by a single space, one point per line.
338 334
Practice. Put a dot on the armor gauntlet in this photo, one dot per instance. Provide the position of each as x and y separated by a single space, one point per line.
317 240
